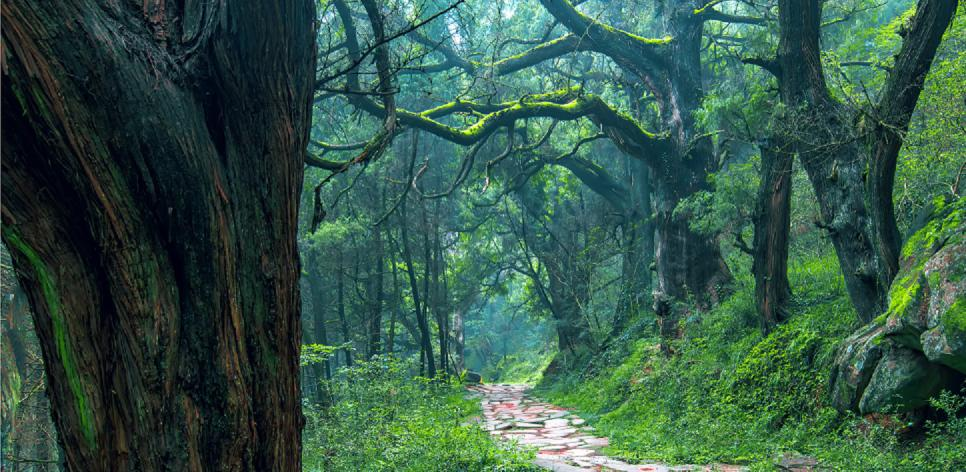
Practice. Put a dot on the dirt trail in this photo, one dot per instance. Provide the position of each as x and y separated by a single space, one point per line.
563 442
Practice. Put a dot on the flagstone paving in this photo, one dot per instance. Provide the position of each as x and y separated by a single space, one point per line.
562 441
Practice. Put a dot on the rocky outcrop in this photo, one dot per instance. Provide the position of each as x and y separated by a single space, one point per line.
918 347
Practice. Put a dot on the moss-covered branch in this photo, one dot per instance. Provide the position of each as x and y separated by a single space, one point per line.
552 49
645 56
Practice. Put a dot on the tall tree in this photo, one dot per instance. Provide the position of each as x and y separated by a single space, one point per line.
375 292
850 155
152 159
770 246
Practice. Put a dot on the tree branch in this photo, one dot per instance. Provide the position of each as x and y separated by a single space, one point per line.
356 56
644 56
772 66
921 40
710 14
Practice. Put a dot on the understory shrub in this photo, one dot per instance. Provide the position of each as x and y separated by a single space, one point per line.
383 419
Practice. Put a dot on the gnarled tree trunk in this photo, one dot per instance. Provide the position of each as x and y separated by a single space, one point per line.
851 163
690 267
152 161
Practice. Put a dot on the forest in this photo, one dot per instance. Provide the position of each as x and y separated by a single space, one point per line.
464 235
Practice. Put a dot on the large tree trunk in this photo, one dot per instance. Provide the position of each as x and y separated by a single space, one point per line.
770 247
152 160
637 230
851 163
690 267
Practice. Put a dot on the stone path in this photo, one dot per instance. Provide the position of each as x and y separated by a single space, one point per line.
563 442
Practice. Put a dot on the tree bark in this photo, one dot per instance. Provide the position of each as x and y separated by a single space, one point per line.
396 300
439 300
770 246
152 163
637 230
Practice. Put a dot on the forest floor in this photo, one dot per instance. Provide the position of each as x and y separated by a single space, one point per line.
563 442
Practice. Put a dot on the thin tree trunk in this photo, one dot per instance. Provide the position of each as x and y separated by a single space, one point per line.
438 304
152 163
426 347
340 302
319 327
459 341
429 301
396 302
375 296
770 247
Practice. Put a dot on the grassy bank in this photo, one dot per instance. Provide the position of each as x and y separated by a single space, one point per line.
732 395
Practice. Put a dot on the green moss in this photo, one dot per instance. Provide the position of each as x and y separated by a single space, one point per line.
904 292
85 415
955 316
946 223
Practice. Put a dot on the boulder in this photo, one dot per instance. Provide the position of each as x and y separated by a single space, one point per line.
903 380
946 344
907 317
944 341
472 377
918 346
854 365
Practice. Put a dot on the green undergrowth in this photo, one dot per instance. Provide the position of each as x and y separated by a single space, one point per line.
383 419
524 367
731 395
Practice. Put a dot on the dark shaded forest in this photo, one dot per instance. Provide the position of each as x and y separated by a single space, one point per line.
456 235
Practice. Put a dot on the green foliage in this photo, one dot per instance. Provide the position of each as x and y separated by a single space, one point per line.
318 353
384 420
730 206
732 395
522 367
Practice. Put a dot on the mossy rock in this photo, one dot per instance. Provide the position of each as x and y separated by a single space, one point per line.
903 380
944 341
854 365
931 276
902 358
907 317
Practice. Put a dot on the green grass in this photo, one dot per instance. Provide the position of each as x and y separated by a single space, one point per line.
731 395
383 419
